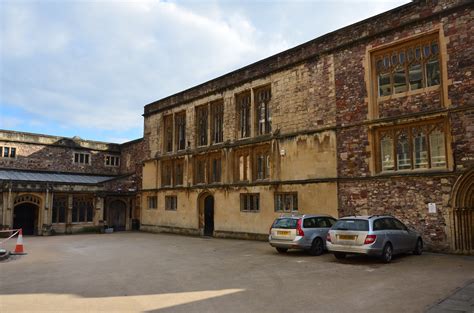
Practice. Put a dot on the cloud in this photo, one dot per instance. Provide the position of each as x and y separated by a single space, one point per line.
84 65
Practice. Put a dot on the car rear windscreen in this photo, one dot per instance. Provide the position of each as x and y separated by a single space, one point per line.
351 224
288 223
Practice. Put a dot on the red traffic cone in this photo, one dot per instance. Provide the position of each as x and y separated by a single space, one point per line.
19 244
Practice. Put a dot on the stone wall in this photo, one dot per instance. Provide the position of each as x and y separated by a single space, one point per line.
36 152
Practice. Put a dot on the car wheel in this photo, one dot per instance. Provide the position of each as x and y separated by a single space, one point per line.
340 255
387 253
282 250
419 247
317 247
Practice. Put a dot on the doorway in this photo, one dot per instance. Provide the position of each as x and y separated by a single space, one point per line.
209 216
117 216
25 216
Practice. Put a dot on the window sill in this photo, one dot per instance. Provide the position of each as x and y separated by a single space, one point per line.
417 171
250 211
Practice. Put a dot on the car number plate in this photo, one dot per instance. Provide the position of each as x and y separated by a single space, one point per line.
347 237
283 233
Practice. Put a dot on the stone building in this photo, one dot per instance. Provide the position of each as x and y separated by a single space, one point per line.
374 118
53 184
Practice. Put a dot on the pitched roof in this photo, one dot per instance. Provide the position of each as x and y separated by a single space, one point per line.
30 176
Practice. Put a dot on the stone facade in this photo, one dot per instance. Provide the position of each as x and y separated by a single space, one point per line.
327 120
32 203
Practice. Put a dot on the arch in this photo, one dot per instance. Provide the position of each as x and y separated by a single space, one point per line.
117 214
462 213
27 198
206 213
463 191
25 216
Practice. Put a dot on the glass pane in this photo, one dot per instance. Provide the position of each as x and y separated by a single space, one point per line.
437 149
420 150
74 214
89 213
403 152
62 214
12 152
402 57
387 154
82 213
416 77
385 87
432 73
434 48
6 152
399 81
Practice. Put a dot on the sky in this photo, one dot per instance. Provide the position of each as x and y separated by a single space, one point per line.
87 68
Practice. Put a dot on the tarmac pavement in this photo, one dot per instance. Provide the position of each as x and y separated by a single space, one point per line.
142 272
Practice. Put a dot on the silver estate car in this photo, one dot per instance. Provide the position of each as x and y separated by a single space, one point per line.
304 232
376 235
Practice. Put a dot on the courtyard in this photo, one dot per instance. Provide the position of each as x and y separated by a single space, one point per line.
144 272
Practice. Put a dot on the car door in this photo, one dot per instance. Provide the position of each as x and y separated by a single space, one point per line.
408 240
397 235
310 230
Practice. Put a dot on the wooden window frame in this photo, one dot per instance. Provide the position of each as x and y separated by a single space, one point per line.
292 194
431 125
250 200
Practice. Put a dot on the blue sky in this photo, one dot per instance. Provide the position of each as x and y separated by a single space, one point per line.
87 68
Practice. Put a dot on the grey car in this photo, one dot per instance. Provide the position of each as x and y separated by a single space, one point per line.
382 236
304 232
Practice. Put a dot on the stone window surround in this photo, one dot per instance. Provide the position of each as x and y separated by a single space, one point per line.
283 195
87 156
12 152
208 170
251 201
370 69
376 136
152 202
171 203
113 160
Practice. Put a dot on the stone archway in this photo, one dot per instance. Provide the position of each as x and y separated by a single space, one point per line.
26 213
462 214
206 213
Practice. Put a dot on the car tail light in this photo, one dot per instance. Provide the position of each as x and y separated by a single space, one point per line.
370 239
299 231
328 237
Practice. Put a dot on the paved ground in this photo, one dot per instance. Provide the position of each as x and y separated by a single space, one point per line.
132 272
460 301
